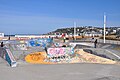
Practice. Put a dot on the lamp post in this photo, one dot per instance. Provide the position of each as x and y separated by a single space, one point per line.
75 30
104 26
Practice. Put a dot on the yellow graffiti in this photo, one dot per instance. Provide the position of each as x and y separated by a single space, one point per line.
37 58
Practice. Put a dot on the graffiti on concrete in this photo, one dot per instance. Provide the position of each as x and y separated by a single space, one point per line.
43 42
21 47
59 51
8 56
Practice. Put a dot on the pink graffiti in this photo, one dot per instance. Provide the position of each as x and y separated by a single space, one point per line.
52 51
59 51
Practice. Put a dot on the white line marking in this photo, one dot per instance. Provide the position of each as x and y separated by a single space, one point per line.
114 54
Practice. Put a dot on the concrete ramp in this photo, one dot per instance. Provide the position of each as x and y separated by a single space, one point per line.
6 54
81 43
91 58
10 59
105 53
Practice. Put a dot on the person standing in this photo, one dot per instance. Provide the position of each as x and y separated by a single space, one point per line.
9 38
64 39
2 44
95 43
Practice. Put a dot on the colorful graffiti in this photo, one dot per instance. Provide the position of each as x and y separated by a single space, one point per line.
21 47
10 59
43 42
6 54
60 51
36 58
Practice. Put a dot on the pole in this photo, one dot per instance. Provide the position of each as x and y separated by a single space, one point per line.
104 26
75 30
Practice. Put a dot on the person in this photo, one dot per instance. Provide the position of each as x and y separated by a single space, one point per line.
46 49
64 39
2 44
95 43
9 38
72 37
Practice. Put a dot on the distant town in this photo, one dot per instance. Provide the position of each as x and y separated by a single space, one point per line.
90 31
113 33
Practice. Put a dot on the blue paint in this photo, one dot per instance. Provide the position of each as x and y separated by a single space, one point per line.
40 42
7 58
72 50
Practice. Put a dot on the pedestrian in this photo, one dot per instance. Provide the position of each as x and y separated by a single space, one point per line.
95 43
72 37
2 44
9 38
64 39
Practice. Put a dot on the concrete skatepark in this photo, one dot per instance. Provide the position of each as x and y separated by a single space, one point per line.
76 71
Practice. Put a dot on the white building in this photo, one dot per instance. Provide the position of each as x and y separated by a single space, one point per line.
33 36
1 34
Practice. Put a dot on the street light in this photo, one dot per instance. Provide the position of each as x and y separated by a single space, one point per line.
74 30
104 26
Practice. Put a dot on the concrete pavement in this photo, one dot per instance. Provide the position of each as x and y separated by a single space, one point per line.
80 71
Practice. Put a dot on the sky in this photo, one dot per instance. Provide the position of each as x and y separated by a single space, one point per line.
43 16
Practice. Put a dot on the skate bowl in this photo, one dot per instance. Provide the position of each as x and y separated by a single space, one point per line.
79 56
23 51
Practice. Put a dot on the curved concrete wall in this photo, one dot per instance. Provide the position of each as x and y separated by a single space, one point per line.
8 56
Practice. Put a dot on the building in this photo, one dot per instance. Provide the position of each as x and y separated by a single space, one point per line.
1 34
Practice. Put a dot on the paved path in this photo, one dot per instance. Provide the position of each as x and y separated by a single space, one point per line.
3 62
61 72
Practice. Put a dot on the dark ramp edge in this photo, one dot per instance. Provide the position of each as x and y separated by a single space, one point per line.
108 78
95 53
